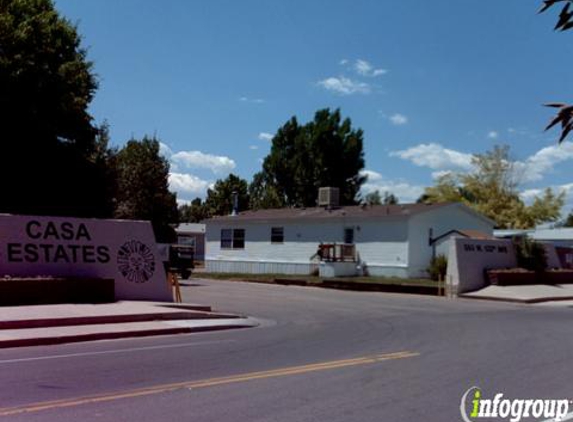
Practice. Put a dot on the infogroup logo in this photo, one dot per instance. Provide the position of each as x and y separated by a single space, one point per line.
474 406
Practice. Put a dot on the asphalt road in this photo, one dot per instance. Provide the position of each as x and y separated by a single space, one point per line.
319 355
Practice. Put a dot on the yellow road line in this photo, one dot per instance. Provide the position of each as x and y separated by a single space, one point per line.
163 388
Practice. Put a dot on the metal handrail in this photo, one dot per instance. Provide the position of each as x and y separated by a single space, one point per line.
337 252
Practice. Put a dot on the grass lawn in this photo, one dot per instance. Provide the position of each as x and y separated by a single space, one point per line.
262 278
270 278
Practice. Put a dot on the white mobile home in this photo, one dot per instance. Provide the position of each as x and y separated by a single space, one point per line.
391 240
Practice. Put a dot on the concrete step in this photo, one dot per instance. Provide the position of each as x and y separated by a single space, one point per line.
534 293
78 333
109 319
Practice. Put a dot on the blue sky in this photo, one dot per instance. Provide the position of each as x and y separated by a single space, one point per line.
429 82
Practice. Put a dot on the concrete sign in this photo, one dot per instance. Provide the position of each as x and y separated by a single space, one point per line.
469 258
71 247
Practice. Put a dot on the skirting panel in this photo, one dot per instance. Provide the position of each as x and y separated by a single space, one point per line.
249 267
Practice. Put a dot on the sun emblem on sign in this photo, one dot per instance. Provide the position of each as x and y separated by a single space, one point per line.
135 261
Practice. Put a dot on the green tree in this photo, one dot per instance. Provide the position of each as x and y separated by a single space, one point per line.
194 212
326 151
390 199
263 194
373 198
492 189
46 86
530 254
103 158
568 221
142 187
446 189
220 199
547 207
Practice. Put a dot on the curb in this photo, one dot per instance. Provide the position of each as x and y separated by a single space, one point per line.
45 341
374 287
523 301
110 319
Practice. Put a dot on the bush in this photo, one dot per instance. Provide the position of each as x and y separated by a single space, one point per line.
530 254
438 267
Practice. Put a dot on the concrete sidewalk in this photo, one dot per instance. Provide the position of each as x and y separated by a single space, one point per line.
53 324
536 293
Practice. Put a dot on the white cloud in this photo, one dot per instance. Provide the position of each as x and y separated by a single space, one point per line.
493 134
532 169
440 173
372 175
253 147
343 62
265 136
521 132
183 202
187 184
528 195
398 119
164 150
535 167
364 68
345 86
197 159
568 188
252 100
436 157
405 191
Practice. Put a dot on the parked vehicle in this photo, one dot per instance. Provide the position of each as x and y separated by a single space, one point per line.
181 260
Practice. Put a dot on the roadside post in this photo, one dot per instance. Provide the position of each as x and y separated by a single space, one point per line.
173 281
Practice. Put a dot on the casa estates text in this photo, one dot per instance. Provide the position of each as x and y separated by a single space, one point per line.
57 243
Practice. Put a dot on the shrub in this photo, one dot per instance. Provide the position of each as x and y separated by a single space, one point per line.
530 254
438 267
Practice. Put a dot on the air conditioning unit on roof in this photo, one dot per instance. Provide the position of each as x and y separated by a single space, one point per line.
328 197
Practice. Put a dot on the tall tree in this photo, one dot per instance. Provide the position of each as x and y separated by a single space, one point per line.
446 189
263 194
104 186
568 221
373 198
220 199
547 207
326 151
142 187
389 199
194 212
46 85
492 189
